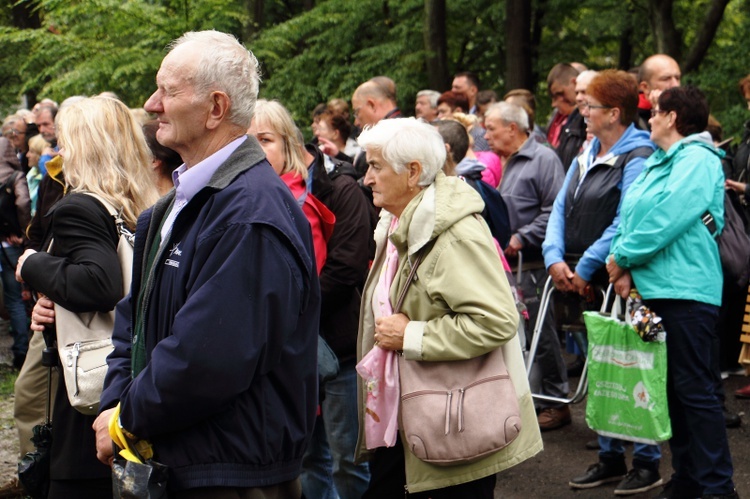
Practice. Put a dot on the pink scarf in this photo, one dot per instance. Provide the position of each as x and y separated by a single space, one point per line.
379 367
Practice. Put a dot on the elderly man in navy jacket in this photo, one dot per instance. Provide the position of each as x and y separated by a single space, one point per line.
216 345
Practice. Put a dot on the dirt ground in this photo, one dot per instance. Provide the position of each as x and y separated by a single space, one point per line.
544 476
8 436
565 456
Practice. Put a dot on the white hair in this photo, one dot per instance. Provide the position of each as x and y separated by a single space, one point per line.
509 113
587 75
225 65
403 140
434 95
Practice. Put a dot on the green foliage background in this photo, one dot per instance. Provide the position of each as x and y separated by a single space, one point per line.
311 54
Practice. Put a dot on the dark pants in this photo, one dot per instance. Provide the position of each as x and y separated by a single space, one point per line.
388 479
700 450
80 489
549 374
287 490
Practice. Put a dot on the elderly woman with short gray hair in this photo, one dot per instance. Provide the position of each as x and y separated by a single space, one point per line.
459 305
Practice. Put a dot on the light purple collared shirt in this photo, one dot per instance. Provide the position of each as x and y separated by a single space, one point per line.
188 182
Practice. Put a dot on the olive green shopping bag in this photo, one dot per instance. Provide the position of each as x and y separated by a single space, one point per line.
627 396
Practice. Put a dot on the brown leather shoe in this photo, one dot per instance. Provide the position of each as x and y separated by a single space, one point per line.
743 393
553 418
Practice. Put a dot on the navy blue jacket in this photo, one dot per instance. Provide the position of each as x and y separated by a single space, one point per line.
228 396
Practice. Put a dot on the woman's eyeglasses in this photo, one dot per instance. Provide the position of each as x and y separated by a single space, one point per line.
595 106
654 112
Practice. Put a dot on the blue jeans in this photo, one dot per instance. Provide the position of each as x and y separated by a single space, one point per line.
328 469
644 455
700 450
13 300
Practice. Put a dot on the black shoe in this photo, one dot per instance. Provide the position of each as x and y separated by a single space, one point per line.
593 444
731 420
667 492
598 474
18 361
575 368
638 480
731 495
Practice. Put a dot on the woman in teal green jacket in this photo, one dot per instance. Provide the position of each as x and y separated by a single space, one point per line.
663 248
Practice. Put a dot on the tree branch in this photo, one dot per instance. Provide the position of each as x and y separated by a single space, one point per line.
705 36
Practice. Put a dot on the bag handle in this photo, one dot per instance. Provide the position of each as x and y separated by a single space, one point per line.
617 304
409 280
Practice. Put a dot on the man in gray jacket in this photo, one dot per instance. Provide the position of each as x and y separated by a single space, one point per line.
531 179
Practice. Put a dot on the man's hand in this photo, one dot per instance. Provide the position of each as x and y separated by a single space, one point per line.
735 186
514 246
389 331
581 286
14 240
21 260
43 313
562 277
327 147
104 450
653 96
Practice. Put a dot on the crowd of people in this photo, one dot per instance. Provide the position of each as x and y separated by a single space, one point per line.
383 234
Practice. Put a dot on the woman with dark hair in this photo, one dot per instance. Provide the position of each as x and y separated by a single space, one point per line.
452 102
663 248
336 129
165 160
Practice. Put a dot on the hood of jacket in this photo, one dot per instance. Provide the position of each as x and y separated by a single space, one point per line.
469 166
632 139
702 140
436 208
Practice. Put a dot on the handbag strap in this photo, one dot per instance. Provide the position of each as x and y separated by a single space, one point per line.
409 280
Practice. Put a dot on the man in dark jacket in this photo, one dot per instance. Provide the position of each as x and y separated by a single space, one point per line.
329 469
220 371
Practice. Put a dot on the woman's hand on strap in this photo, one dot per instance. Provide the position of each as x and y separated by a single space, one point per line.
614 270
389 331
21 260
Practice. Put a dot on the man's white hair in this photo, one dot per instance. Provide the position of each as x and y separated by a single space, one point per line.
224 64
509 113
403 140
434 95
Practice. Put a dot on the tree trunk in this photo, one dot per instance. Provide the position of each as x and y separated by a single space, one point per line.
25 15
668 39
436 45
705 36
536 38
625 57
518 57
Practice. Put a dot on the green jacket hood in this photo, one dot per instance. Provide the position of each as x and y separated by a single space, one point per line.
435 209
702 139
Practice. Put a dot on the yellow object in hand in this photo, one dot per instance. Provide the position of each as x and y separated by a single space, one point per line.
130 449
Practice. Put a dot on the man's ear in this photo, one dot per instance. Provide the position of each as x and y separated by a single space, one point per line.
219 110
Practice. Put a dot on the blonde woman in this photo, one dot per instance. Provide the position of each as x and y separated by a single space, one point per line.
105 154
282 142
37 145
